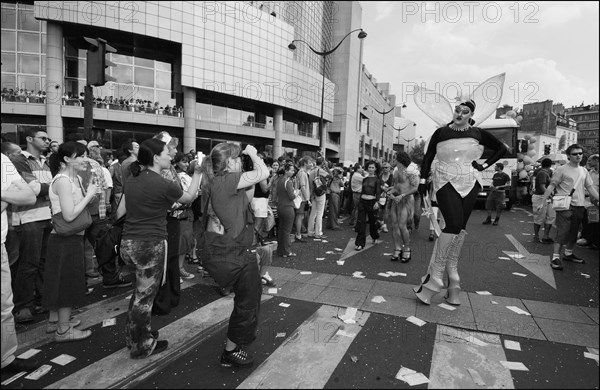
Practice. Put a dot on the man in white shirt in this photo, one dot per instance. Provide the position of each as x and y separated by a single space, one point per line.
14 191
568 179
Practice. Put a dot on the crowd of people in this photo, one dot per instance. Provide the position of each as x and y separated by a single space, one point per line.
229 214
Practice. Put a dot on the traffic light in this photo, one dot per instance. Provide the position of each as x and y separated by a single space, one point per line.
97 62
524 145
546 149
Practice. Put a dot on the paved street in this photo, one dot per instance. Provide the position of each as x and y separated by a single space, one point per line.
319 341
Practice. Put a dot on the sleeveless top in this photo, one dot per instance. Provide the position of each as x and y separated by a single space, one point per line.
76 192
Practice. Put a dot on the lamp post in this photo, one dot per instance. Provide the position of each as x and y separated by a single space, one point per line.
362 34
383 113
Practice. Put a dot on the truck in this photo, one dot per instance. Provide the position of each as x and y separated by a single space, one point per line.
507 131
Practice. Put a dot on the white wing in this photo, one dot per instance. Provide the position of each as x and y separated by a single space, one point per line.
434 105
487 97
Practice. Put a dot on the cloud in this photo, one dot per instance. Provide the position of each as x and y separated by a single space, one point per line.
384 9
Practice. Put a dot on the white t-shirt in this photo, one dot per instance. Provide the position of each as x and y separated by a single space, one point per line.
9 176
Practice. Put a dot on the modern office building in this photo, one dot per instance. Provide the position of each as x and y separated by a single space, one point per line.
204 71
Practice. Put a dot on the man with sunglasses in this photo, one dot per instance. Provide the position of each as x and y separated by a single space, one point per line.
32 225
567 179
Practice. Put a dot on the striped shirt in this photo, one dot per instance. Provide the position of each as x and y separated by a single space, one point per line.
33 169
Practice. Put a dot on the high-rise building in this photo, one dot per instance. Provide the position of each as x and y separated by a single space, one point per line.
204 71
587 125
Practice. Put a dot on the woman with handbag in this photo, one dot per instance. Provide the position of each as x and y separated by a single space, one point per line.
227 256
286 210
148 198
64 274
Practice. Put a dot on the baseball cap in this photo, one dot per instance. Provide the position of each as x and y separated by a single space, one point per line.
91 144
500 165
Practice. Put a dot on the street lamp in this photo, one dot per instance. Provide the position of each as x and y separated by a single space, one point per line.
362 34
383 123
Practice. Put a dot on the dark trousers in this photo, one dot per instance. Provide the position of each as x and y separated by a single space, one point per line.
109 270
236 268
456 209
590 230
286 221
365 211
169 293
29 277
334 209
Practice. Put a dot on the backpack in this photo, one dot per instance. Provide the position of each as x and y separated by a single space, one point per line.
319 185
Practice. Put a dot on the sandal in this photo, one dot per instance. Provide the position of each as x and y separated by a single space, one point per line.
404 258
396 255
359 247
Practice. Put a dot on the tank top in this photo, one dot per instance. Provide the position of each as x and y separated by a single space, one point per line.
76 192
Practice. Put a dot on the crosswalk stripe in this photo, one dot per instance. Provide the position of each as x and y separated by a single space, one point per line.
310 355
119 370
456 351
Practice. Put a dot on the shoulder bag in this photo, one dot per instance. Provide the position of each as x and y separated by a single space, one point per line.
563 202
79 224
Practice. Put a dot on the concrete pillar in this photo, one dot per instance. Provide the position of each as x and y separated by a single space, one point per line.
278 128
54 81
189 119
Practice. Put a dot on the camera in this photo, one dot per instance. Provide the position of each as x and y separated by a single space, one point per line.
247 164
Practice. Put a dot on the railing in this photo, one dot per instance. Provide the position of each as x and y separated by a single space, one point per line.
23 98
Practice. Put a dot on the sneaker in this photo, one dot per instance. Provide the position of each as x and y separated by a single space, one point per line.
119 282
321 237
582 242
236 358
536 240
300 239
555 263
71 334
547 241
495 223
23 315
161 345
186 275
53 325
384 228
267 282
19 365
574 259
376 241
487 221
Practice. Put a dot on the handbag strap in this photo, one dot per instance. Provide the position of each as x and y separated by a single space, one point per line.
581 174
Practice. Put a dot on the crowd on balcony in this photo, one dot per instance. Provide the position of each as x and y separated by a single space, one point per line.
23 96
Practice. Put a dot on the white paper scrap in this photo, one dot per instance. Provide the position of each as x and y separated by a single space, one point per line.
416 321
483 292
109 322
504 258
340 262
446 306
128 297
519 274
526 234
403 372
13 378
272 290
342 332
590 355
516 255
316 239
494 302
584 275
476 377
516 366
329 252
63 359
388 254
359 276
514 345
415 379
320 258
348 316
517 310
280 334
384 275
283 304
305 272
28 354
40 372
378 299
338 249
324 241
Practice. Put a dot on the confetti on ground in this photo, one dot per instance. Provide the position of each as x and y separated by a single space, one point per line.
90 290
305 272
517 310
272 290
283 304
514 345
104 296
109 322
516 366
13 378
392 273
384 275
483 292
329 252
584 275
519 274
63 359
324 241
40 372
526 234
128 297
388 254
411 377
342 332
447 307
353 358
320 258
378 299
504 258
348 317
338 249
416 321
281 334
516 255
494 302
591 356
340 262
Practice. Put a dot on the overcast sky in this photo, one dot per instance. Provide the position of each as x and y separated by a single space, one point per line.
548 50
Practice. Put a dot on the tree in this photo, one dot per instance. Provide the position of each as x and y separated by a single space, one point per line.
561 142
417 153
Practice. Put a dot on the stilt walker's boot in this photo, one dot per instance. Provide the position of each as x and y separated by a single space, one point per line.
452 268
432 283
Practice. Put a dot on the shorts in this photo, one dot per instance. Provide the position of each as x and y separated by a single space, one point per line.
495 199
567 225
546 215
302 209
259 205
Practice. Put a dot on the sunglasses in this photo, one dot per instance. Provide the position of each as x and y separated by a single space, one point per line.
461 110
577 154
45 139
